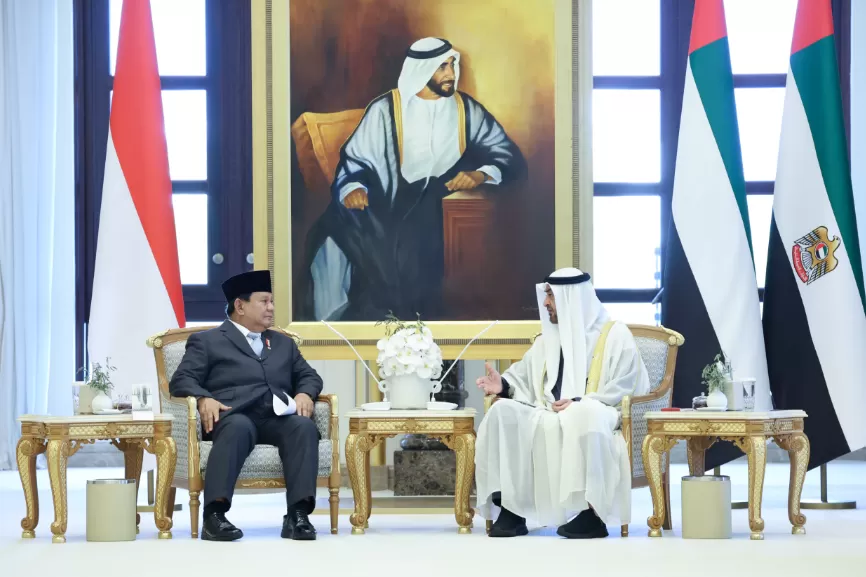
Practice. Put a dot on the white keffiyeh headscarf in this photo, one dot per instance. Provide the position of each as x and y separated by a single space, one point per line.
422 60
581 317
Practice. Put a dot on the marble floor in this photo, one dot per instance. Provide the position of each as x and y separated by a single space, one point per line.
402 540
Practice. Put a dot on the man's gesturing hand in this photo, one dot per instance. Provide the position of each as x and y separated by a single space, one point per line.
491 383
209 409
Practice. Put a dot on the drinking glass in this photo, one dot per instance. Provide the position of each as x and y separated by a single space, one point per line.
748 394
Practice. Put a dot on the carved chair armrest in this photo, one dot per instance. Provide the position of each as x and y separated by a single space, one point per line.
663 390
185 434
488 401
333 428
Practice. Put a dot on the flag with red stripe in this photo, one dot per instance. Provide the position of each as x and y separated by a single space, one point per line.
136 286
711 292
814 300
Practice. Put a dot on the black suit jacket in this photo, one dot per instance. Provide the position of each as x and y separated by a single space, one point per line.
220 363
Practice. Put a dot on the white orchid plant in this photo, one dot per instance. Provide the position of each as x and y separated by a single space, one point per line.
408 348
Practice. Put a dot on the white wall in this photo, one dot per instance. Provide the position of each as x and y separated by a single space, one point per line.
339 379
858 116
471 371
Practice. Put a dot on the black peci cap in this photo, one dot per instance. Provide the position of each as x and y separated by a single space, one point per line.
246 283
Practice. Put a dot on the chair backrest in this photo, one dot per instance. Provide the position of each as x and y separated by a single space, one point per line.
318 140
658 349
169 346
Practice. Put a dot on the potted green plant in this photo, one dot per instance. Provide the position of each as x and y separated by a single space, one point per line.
98 378
716 376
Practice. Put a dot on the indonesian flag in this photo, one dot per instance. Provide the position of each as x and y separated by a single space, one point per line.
136 285
710 290
814 319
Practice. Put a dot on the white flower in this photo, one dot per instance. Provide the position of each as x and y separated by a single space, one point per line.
418 342
404 333
409 350
391 367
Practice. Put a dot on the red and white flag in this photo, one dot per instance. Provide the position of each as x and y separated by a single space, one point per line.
136 284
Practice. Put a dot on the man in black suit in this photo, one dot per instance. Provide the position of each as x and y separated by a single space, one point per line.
253 386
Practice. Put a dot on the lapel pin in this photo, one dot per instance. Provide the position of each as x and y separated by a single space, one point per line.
268 343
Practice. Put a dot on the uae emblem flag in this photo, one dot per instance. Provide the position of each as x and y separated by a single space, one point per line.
710 290
136 284
814 320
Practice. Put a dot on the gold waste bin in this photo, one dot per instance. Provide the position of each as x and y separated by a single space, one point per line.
111 509
706 507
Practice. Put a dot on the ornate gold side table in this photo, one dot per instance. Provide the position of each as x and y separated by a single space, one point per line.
748 431
61 437
369 428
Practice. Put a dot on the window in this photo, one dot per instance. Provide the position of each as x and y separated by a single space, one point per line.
626 38
179 28
203 54
627 149
626 135
759 35
639 57
626 240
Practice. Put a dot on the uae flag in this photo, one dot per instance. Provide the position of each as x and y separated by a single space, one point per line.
710 290
136 285
814 319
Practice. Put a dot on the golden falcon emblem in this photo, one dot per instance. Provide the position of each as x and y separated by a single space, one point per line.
813 254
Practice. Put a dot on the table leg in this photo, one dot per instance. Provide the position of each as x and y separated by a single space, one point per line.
165 450
369 485
26 452
653 448
463 446
358 462
756 451
57 456
798 448
133 457
696 448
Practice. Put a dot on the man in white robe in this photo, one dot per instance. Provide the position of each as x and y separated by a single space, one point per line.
379 246
551 447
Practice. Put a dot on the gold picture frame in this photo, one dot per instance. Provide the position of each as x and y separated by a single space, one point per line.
272 185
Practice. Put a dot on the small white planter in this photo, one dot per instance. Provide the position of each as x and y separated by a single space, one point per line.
408 391
101 402
717 400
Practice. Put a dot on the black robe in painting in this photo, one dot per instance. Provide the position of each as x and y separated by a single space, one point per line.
395 246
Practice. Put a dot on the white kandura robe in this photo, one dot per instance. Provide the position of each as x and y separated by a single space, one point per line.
548 465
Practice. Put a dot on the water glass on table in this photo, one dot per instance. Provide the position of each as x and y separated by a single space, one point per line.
748 394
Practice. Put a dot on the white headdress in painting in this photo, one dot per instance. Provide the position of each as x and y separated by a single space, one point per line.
581 317
422 60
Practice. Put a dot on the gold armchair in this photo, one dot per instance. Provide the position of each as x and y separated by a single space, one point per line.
658 348
263 468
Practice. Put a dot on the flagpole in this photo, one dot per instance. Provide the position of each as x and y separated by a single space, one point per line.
824 503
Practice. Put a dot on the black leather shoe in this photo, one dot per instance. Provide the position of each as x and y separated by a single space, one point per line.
217 528
508 524
297 526
587 525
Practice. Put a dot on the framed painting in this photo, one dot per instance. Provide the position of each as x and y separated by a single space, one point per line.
426 158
